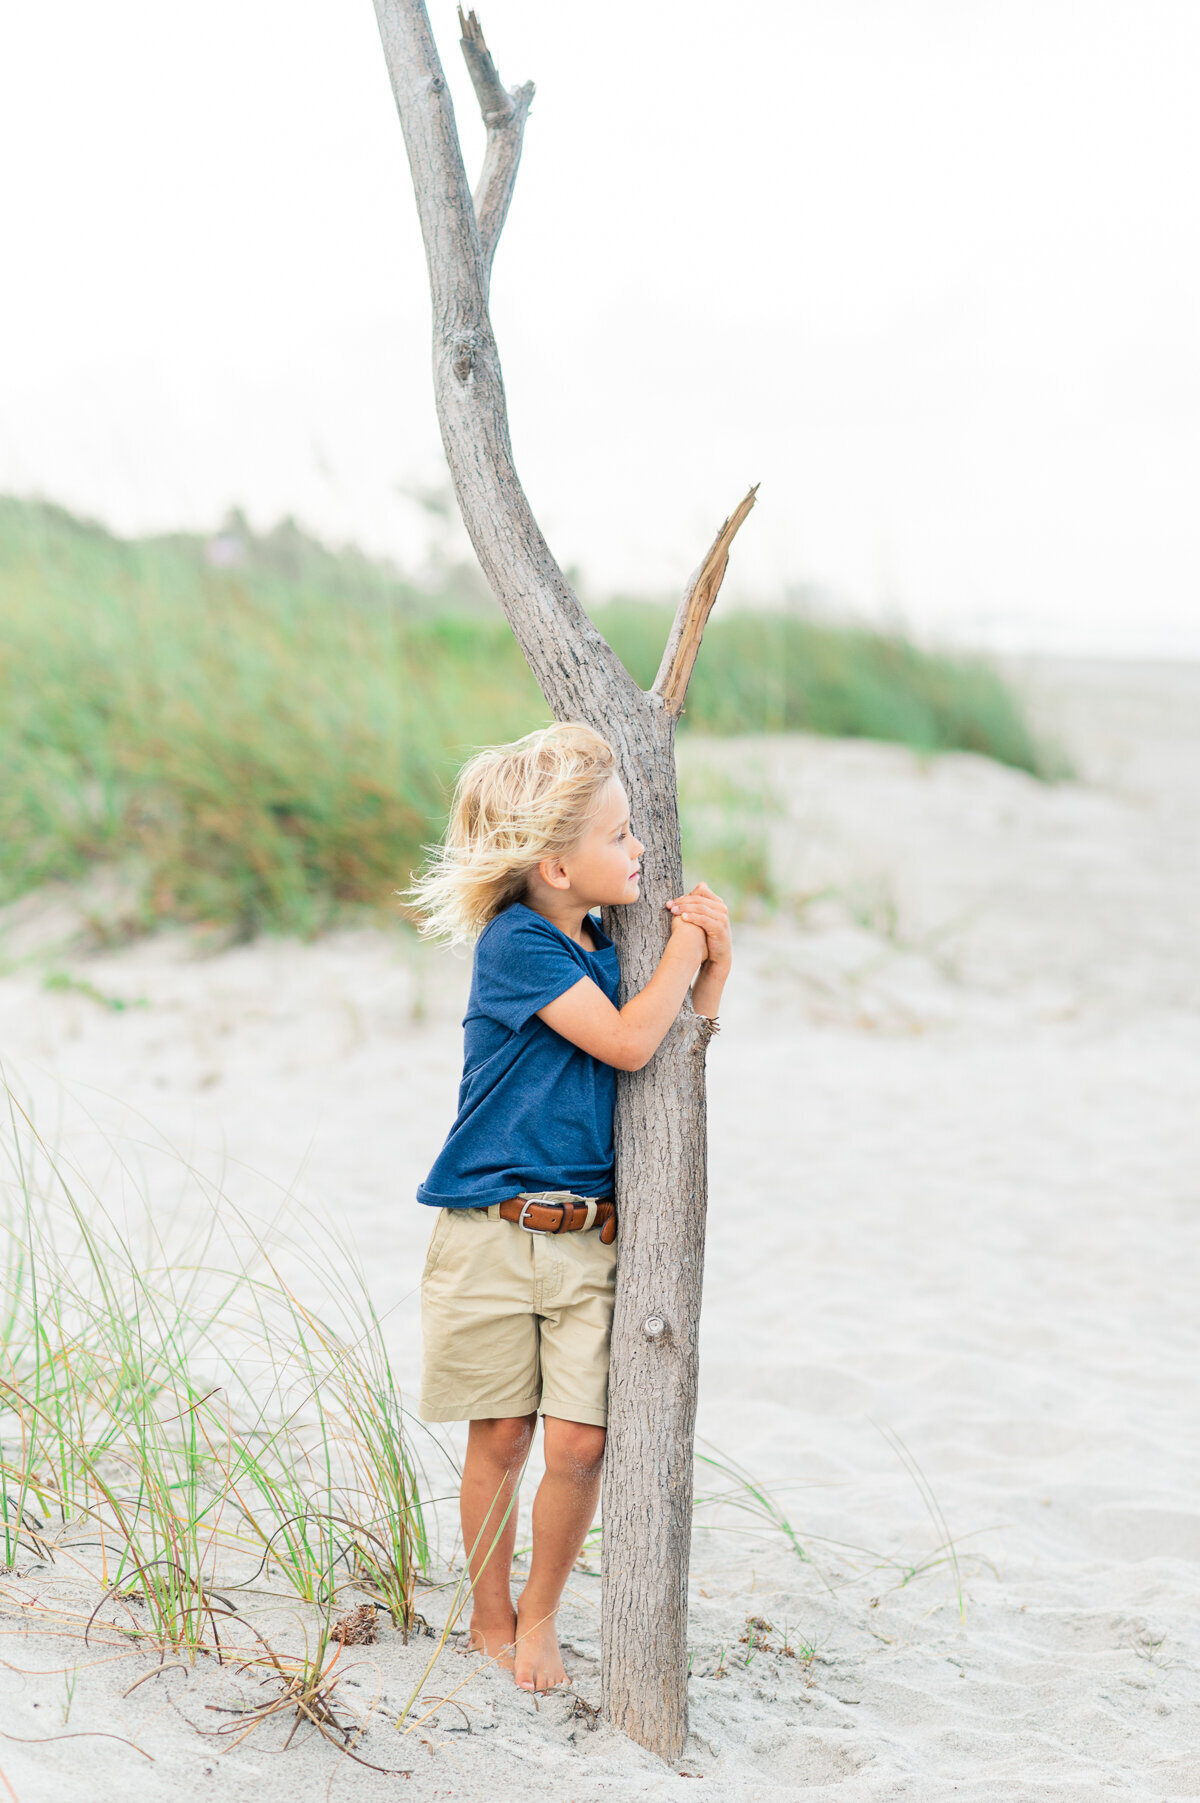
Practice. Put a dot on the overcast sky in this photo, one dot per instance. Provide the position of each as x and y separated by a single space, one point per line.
929 270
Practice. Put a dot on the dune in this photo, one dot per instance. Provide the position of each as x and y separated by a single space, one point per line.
954 1344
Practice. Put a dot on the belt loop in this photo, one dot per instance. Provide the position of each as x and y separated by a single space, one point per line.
493 1213
591 1214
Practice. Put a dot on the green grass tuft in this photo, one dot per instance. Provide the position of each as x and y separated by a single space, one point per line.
177 1422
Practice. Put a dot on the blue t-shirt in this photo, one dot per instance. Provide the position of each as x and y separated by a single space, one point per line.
534 1111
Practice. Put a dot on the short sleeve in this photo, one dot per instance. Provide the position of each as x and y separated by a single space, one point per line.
522 963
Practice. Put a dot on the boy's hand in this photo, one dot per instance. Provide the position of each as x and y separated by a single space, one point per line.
692 931
707 911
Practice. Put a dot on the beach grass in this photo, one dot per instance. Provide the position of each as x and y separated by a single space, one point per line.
200 1430
757 1513
177 1425
267 743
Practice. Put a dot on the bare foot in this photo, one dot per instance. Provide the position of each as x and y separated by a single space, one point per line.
496 1640
539 1663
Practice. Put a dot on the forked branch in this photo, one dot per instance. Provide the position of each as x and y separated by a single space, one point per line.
675 671
504 114
577 671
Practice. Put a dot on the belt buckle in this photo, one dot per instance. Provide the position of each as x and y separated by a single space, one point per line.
538 1202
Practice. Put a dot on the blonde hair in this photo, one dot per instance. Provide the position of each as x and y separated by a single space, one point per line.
513 806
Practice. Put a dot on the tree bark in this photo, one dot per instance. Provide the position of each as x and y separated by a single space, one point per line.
660 1120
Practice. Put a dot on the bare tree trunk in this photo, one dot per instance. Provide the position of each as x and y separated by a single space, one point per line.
660 1124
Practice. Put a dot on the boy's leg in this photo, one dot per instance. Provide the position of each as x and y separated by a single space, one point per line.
496 1454
563 1511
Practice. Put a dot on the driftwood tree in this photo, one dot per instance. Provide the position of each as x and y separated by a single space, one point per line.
660 1129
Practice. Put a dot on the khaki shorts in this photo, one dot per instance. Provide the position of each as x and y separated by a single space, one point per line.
514 1322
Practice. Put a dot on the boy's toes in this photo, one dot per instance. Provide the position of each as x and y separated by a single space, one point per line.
540 1682
540 1674
539 1662
536 1680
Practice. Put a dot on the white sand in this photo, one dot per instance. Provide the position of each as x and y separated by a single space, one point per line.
967 1083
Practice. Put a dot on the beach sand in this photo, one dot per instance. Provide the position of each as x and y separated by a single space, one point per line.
958 1078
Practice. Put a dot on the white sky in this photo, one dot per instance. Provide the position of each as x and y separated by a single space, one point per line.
927 269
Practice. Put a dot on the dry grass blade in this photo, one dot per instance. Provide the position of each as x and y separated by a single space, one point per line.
182 1584
307 1689
451 1702
176 1665
43 1740
582 1710
462 1593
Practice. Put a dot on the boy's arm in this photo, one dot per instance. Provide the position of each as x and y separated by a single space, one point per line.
628 1037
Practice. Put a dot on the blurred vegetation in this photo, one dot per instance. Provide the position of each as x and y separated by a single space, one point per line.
263 731
788 672
726 834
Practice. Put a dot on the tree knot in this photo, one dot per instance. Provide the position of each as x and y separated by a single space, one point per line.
462 359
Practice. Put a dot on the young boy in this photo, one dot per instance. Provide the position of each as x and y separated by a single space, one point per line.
517 1292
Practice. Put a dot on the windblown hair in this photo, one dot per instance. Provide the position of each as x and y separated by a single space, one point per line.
513 806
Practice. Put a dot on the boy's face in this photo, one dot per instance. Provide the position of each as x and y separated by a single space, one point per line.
602 870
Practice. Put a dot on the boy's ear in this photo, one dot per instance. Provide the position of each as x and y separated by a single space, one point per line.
553 871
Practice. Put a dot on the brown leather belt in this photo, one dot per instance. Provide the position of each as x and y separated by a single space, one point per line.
562 1217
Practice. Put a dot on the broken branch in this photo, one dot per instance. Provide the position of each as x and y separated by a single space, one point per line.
504 114
687 630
